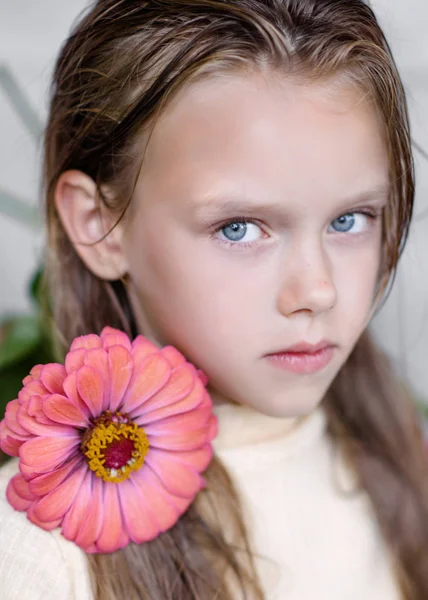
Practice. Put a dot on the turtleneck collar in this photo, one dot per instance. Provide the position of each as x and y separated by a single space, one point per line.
242 428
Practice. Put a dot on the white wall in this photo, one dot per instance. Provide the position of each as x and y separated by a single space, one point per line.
30 35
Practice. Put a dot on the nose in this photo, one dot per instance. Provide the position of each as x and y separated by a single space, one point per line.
307 285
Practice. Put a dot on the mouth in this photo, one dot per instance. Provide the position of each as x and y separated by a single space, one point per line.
303 358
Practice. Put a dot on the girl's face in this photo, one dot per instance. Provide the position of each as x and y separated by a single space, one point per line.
256 225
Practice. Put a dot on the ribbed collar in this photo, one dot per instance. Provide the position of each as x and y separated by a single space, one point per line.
242 429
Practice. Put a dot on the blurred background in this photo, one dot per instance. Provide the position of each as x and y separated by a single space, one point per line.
30 36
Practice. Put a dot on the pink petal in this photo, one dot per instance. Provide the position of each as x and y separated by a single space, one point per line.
62 410
36 428
34 387
180 384
185 422
91 389
120 369
139 518
141 349
35 409
146 381
70 389
190 402
115 337
47 526
161 503
74 360
18 493
203 377
91 528
212 427
52 377
11 418
77 512
43 484
36 371
113 533
181 440
198 459
173 356
9 445
54 505
86 341
177 477
98 359
44 454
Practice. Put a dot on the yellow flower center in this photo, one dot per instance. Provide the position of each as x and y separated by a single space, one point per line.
114 447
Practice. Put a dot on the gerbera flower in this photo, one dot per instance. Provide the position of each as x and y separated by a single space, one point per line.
112 444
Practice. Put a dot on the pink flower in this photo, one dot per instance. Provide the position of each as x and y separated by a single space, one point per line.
112 444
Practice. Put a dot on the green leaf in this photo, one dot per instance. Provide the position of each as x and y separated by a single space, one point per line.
11 376
22 335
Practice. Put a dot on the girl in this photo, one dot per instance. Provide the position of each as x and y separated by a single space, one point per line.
235 178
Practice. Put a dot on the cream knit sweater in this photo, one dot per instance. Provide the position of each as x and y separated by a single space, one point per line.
318 538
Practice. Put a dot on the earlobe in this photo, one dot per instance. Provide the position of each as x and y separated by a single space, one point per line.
86 220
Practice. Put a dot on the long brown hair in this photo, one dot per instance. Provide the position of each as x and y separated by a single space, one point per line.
123 60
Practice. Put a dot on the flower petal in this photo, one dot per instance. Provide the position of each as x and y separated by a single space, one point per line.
76 515
18 493
36 428
9 445
47 526
35 409
11 418
185 422
173 356
44 454
177 477
91 389
98 359
45 483
62 410
74 360
180 384
115 337
86 341
113 533
180 440
52 377
34 387
70 389
141 349
54 505
120 369
189 402
146 381
91 528
161 503
140 520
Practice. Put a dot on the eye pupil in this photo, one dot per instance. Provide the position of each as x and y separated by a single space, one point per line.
344 223
235 231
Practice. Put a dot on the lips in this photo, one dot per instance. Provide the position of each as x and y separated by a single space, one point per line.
304 348
303 358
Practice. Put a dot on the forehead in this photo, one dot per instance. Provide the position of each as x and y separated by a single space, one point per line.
268 135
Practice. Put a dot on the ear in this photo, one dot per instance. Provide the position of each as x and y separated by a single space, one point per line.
86 220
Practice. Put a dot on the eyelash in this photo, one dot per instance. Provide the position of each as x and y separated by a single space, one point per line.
368 212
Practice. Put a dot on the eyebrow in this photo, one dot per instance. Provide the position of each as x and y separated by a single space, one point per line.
211 207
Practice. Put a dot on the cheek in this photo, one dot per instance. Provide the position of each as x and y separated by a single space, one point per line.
356 283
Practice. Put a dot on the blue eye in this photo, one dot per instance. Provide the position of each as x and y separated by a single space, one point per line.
240 230
344 223
235 232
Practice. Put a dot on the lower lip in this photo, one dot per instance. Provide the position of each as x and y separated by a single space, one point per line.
302 362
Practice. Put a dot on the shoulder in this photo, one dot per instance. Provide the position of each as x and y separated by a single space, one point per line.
36 564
